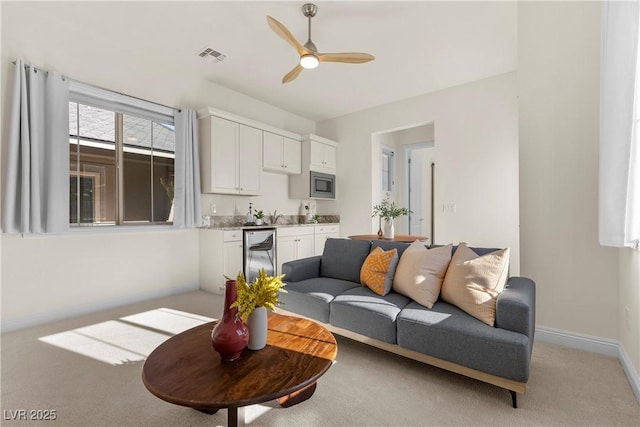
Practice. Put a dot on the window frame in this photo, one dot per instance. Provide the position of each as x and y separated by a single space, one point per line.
391 173
121 105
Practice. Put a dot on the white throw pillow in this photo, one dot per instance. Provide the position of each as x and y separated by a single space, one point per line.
420 272
474 282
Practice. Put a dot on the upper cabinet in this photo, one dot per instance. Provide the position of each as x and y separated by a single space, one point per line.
230 157
322 155
232 150
318 155
281 154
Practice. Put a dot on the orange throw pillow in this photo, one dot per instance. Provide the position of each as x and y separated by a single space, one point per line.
378 269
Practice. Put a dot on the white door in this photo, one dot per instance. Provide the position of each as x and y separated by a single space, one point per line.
420 160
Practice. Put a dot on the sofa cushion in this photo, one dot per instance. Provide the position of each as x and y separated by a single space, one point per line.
420 272
343 258
362 311
474 282
385 245
311 297
378 269
448 333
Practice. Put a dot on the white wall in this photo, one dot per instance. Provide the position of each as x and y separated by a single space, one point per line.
38 280
558 85
476 134
51 277
629 268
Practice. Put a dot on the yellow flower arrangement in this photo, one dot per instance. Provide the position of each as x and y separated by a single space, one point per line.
262 292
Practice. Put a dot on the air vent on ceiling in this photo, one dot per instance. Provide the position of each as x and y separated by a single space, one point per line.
210 55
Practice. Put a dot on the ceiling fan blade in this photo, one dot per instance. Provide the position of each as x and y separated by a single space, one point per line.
282 31
291 75
348 57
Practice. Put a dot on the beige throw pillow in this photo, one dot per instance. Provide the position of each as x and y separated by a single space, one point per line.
473 282
420 272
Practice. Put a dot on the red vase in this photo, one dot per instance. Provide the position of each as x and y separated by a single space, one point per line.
231 335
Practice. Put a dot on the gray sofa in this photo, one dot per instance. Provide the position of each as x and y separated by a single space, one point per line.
327 289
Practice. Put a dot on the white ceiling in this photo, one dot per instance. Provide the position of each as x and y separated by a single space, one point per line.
420 47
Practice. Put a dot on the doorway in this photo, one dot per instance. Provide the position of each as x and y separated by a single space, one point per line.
419 159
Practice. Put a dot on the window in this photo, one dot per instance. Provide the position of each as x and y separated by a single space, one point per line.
121 163
387 170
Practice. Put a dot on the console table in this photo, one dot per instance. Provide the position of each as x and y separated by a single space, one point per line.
410 238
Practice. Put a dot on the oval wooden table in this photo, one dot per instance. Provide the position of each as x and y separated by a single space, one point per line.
185 370
409 238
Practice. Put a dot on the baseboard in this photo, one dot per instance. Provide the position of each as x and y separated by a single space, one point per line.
594 345
10 325
579 342
630 371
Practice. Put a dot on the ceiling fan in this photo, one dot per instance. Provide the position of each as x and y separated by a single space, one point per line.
309 55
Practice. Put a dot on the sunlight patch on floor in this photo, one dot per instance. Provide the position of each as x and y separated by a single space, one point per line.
167 319
127 340
253 412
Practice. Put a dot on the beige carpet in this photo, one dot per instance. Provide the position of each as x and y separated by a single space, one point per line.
366 386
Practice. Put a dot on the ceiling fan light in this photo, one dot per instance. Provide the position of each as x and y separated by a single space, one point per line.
309 61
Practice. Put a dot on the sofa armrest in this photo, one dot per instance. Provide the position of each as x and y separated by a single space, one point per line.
301 269
516 307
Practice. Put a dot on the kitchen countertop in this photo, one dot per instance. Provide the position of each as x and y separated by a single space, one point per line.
257 227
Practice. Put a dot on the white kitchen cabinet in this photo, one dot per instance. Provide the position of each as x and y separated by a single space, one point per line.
230 157
321 233
281 154
291 155
318 155
322 157
294 243
249 160
221 255
233 259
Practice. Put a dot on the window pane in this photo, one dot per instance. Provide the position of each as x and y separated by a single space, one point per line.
92 174
386 179
149 155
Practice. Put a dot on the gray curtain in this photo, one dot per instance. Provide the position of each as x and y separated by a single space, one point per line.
186 202
36 197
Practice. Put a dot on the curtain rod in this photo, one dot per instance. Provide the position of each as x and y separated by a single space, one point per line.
99 87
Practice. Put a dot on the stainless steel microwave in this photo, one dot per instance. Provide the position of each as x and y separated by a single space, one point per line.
323 185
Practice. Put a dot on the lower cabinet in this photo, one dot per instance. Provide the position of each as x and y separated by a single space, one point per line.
220 255
322 232
221 251
233 258
294 243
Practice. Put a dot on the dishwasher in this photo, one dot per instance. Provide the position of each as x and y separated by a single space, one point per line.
259 252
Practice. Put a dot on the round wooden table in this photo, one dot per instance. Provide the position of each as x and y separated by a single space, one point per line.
185 370
397 238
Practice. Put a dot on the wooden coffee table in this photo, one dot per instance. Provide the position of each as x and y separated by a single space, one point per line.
185 370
